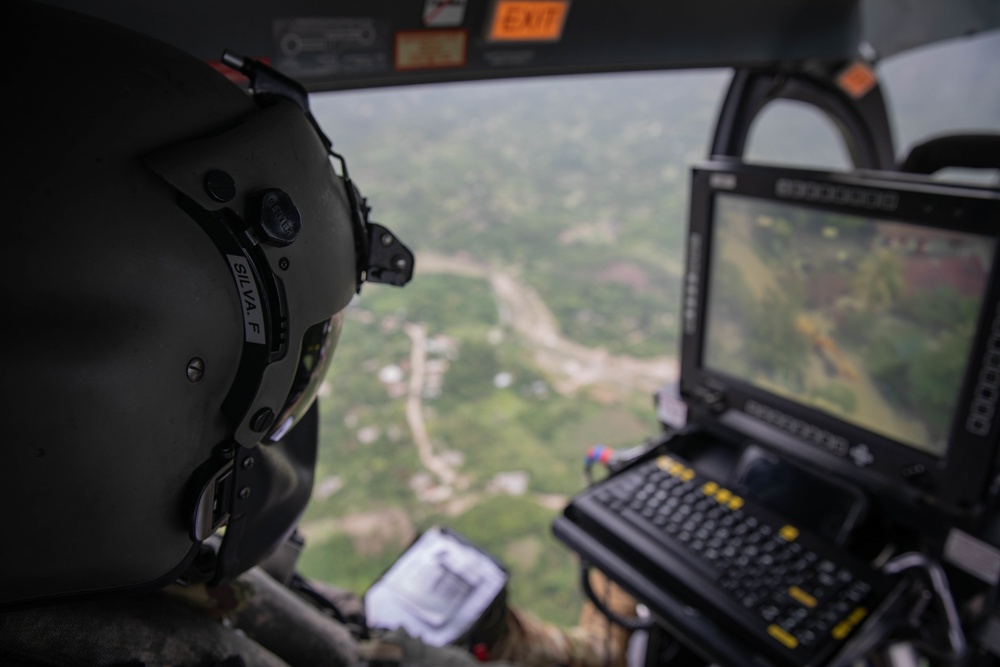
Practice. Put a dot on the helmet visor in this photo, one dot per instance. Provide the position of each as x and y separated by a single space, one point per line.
318 344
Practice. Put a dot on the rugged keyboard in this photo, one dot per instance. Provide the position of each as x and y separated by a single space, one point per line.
787 591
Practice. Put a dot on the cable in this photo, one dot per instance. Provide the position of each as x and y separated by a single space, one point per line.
596 454
607 628
628 623
612 459
939 583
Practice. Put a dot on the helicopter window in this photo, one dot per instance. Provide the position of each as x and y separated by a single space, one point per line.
965 98
793 133
548 219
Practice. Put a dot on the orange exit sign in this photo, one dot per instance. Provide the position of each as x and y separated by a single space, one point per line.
528 20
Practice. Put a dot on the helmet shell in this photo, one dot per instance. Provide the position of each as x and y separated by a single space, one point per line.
115 290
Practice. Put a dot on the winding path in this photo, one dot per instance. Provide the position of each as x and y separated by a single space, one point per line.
414 406
569 364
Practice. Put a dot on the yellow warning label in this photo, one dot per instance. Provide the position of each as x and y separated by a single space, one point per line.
528 20
430 49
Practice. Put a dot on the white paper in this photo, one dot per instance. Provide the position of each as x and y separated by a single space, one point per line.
436 590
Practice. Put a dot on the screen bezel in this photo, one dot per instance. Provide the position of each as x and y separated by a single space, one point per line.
957 478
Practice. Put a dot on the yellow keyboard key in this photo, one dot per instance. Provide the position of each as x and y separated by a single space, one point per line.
789 533
841 630
802 597
782 635
710 488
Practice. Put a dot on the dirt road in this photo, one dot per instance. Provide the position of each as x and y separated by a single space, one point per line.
415 410
570 365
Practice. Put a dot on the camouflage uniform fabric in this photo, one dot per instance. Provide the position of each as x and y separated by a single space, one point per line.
398 649
151 630
529 641
255 621
594 642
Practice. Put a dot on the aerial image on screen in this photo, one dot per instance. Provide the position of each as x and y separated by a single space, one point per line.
868 320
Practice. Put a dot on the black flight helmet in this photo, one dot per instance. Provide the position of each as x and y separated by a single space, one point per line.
178 255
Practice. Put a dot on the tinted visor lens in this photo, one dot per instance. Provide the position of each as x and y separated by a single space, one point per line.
318 344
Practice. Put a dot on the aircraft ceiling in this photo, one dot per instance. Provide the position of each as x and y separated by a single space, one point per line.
331 45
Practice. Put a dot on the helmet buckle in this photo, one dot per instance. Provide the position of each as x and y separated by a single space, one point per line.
212 507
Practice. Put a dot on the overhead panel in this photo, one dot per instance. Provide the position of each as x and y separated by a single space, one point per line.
337 45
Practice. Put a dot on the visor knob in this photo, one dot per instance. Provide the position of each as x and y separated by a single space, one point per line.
262 420
280 222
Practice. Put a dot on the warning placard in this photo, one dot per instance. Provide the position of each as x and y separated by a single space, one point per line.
430 49
528 20
857 80
318 47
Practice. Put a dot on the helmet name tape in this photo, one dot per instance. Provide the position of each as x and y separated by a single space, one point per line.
253 314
